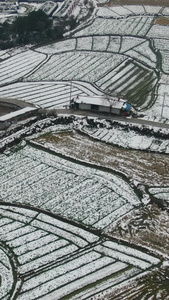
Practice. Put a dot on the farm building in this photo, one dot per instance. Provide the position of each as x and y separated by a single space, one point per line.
100 104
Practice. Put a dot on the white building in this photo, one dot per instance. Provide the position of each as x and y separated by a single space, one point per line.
100 104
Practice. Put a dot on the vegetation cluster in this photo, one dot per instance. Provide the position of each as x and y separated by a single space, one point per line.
37 27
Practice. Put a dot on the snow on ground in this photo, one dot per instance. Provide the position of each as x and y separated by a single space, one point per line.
161 193
158 31
56 260
97 65
67 45
133 26
160 109
19 65
131 163
103 197
126 138
37 178
38 92
6 274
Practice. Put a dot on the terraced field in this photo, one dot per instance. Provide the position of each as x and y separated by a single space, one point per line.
54 257
86 195
74 228
122 52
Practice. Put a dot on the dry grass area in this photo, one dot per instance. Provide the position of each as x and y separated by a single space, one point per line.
148 168
162 21
146 226
153 286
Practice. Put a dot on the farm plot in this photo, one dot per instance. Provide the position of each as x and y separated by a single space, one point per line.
80 193
47 94
106 65
7 272
55 257
88 66
149 168
133 26
160 108
158 31
130 139
14 68
67 45
144 54
131 80
161 44
130 10
134 47
165 61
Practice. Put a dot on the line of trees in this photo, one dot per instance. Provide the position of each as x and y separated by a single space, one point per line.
34 28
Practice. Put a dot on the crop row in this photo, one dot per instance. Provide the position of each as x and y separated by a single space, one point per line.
134 26
129 139
38 93
127 10
19 65
55 257
92 67
77 66
105 71
82 194
103 43
131 81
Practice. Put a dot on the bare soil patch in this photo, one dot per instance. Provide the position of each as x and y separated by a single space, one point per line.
162 21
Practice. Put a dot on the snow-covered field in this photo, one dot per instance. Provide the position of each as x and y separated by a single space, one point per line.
54 209
65 141
122 57
127 138
19 65
39 179
38 92
53 257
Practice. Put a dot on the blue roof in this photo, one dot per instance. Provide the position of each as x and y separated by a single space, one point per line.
127 106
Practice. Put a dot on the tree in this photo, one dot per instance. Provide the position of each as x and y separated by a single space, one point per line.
36 27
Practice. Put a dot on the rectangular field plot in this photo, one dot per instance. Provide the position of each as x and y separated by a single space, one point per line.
123 26
76 192
57 259
46 94
165 61
80 65
158 31
130 80
19 65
